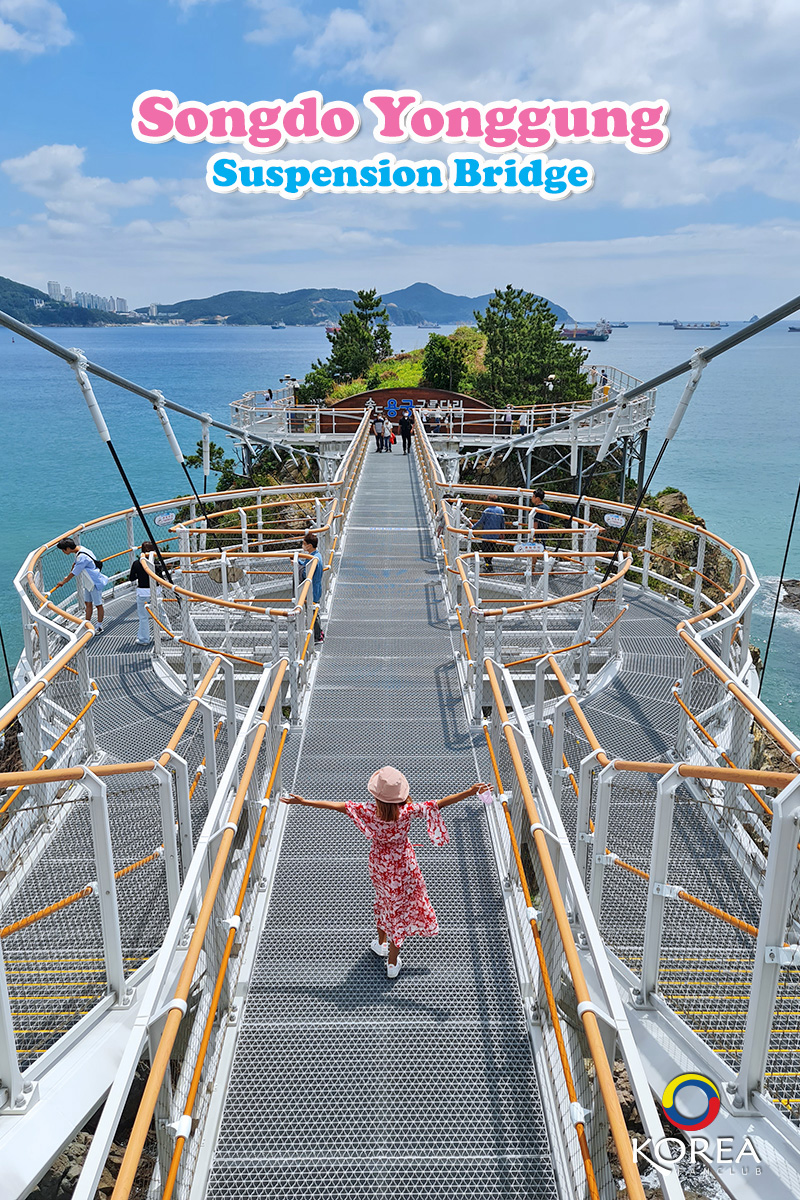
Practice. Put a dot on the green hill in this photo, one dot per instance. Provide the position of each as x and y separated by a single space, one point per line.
17 299
307 306
447 309
323 306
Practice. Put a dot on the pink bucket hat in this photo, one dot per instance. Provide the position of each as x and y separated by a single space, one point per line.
389 785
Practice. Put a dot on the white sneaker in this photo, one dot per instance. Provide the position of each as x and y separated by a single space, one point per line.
98 628
379 948
393 971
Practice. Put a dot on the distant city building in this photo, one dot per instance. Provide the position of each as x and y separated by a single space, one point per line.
68 295
54 289
153 310
39 303
121 305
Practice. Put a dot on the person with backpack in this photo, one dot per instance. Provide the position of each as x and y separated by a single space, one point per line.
89 578
140 577
402 906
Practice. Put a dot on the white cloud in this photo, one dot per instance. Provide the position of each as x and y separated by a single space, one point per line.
277 22
727 68
30 27
201 243
54 174
187 5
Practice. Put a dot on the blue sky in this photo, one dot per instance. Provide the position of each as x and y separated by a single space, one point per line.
707 228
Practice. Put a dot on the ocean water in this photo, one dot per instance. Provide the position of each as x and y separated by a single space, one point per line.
735 455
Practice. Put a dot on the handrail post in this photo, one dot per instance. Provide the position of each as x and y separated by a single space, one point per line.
538 705
158 641
226 612
619 605
648 542
209 747
106 884
601 860
584 633
27 637
477 658
498 636
584 838
89 740
685 692
185 559
557 763
10 1076
656 888
184 808
231 722
698 578
293 654
171 870
772 931
245 549
188 653
129 535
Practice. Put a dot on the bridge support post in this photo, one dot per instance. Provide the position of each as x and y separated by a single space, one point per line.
172 872
601 860
771 955
10 1076
658 887
106 883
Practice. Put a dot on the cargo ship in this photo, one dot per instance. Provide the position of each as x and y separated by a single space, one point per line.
584 333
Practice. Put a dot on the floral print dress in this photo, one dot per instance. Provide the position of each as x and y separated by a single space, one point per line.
402 906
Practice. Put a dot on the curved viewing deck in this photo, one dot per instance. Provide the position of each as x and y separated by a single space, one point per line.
628 905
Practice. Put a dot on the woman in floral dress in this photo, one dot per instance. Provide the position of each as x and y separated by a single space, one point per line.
402 906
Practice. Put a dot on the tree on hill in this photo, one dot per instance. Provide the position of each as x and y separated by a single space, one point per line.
444 362
361 340
525 354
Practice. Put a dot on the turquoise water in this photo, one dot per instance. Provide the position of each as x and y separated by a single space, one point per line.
736 454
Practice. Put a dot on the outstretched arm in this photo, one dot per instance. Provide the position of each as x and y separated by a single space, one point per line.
454 799
334 805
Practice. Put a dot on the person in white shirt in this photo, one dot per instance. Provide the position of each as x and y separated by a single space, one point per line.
89 579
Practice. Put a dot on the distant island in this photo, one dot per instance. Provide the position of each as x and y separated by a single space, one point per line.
420 304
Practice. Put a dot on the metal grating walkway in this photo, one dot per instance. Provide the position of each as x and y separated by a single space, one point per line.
346 1084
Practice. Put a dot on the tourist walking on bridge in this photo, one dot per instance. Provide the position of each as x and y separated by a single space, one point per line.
402 906
138 575
493 517
89 579
406 426
377 429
